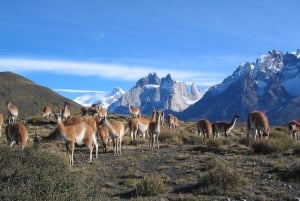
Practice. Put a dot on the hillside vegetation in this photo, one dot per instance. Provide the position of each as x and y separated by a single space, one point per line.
185 168
29 97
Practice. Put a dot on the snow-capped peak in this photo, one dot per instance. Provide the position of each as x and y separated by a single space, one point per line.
104 99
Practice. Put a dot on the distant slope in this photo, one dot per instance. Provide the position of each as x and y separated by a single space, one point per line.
270 84
29 97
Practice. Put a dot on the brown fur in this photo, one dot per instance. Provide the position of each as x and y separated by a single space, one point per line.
294 129
223 126
138 125
47 112
116 131
103 133
172 121
65 111
102 112
257 123
79 130
90 110
12 112
204 127
134 111
154 131
16 132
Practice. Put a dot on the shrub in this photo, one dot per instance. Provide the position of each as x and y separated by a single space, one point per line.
273 145
296 148
192 140
31 174
170 137
291 172
220 177
151 185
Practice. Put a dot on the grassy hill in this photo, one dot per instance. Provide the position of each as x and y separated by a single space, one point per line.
29 97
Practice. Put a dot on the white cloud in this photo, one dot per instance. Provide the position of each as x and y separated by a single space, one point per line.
79 91
104 70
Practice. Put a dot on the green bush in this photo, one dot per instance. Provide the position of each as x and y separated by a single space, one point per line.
31 174
220 177
151 185
272 145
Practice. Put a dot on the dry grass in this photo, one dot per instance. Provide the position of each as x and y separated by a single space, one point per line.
185 168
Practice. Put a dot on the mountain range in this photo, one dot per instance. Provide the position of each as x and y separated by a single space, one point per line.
161 93
271 84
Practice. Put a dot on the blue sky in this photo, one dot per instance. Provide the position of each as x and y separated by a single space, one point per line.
97 45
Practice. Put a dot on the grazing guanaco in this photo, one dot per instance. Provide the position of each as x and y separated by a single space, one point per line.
65 111
79 130
134 111
116 131
224 126
294 129
172 121
154 131
47 112
257 124
12 111
204 127
1 123
16 132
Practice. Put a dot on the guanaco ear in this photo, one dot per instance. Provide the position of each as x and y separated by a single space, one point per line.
56 114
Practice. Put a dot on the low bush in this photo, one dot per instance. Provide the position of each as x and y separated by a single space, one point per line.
151 185
31 174
291 172
219 178
296 148
272 145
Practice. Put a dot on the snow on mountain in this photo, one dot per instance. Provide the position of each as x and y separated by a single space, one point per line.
290 75
104 99
161 93
265 67
270 84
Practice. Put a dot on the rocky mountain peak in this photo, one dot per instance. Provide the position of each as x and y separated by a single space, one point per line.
270 63
270 84
152 78
161 93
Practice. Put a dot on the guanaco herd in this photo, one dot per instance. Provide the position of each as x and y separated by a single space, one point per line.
93 124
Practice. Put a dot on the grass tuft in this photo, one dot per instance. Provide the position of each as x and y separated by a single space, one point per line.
151 185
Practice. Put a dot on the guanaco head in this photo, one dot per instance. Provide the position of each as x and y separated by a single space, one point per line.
102 121
66 103
236 116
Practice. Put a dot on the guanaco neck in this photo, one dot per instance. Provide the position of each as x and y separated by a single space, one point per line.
232 123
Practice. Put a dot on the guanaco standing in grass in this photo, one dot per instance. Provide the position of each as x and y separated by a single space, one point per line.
116 131
16 132
257 124
47 112
204 127
12 111
154 131
78 130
